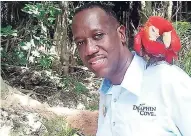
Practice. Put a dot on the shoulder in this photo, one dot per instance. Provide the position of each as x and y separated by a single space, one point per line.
167 72
175 84
171 79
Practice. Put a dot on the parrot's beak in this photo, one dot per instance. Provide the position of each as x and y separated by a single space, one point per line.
166 37
160 39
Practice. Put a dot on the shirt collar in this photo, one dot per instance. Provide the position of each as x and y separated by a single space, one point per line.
133 77
105 86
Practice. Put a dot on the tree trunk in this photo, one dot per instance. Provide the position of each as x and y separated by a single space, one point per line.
169 11
61 38
180 11
186 9
4 89
146 10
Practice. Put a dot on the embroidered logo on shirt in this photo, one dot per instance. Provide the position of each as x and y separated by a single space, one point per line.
144 110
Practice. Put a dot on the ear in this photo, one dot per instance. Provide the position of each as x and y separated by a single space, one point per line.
121 32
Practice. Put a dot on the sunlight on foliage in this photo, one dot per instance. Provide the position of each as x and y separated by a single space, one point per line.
72 83
30 45
184 32
8 31
58 127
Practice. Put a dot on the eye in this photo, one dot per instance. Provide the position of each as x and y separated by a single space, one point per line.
153 29
78 43
98 36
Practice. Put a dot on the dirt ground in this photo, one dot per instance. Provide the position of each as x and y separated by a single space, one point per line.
22 114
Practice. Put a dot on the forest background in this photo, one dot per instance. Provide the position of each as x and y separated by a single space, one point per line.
40 62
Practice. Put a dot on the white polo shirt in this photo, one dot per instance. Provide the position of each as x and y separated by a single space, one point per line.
153 101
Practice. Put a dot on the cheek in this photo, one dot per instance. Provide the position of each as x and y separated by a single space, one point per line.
81 54
114 53
83 58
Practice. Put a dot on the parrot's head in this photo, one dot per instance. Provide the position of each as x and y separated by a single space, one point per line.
154 30
157 39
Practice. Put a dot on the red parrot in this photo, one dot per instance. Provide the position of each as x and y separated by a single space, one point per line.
157 39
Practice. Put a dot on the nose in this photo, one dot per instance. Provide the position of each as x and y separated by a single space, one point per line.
91 47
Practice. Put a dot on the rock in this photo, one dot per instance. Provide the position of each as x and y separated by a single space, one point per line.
20 123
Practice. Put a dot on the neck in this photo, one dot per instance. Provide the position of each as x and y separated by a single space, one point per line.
120 73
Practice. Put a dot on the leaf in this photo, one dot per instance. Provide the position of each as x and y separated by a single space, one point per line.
43 27
14 34
22 44
25 45
45 61
35 53
6 29
80 88
37 38
51 12
42 13
5 35
32 42
9 28
51 19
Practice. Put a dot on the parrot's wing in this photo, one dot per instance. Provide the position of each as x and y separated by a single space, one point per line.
170 55
175 42
174 47
153 47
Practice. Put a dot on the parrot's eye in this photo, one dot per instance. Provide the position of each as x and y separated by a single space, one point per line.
153 29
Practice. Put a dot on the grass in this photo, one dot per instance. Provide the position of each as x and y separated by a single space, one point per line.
58 127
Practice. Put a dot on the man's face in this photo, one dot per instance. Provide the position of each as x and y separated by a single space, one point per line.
98 41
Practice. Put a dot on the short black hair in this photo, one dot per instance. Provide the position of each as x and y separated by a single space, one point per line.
105 7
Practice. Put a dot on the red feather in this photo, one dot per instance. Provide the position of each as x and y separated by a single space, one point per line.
137 43
162 24
143 44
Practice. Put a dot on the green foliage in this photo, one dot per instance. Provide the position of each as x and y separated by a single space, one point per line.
72 83
45 12
79 88
93 107
187 63
31 45
15 56
58 127
182 27
93 103
45 61
20 57
8 31
78 59
184 32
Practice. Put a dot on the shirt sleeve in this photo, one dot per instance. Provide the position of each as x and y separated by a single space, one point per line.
181 101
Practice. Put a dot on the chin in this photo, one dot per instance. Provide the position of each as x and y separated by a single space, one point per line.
101 74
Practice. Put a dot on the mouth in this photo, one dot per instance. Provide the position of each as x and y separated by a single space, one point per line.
97 63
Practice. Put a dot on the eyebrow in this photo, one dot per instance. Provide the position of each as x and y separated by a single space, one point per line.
93 31
75 38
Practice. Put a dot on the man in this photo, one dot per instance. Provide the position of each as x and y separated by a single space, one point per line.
134 100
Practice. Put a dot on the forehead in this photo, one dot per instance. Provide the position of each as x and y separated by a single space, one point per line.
89 19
